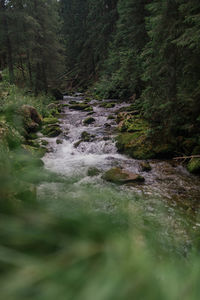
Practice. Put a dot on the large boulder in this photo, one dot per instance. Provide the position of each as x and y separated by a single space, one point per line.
134 139
31 118
121 176
138 145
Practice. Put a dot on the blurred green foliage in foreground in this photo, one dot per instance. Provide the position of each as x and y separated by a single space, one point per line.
83 253
43 256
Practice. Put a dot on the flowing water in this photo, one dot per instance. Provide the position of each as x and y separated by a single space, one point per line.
168 184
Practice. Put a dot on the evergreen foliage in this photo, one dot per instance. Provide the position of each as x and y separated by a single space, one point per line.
144 50
30 44
87 27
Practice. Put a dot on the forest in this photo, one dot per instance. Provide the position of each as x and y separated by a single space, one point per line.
99 149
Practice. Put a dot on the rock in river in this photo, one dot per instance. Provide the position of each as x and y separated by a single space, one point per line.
88 121
120 176
31 118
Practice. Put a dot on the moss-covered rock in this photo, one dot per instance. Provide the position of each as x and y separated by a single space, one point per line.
35 151
132 124
107 104
88 121
194 166
44 143
59 141
120 176
77 143
86 137
139 146
50 120
135 141
135 145
93 172
145 166
33 143
31 118
110 105
52 130
79 106
89 109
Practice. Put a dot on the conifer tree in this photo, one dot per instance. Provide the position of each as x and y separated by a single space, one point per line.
123 68
161 63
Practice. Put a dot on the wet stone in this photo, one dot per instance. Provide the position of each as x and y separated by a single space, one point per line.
121 176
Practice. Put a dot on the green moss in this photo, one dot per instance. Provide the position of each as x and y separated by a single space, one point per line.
89 109
93 172
110 105
35 151
137 145
134 139
44 143
118 176
51 130
114 175
85 136
54 112
33 143
194 166
107 105
131 124
58 141
88 121
134 145
79 106
50 120
145 166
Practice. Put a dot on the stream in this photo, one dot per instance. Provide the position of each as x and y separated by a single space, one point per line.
167 185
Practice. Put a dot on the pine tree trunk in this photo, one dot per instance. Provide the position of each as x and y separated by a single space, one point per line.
8 44
29 67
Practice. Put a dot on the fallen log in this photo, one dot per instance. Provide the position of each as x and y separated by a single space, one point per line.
187 157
